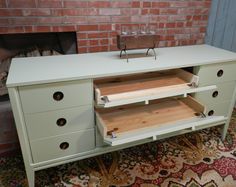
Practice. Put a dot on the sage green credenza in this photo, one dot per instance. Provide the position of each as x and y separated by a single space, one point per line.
72 107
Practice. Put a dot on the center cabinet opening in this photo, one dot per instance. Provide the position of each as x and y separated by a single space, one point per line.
116 91
140 106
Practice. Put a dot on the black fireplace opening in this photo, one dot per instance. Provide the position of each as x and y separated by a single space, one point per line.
29 45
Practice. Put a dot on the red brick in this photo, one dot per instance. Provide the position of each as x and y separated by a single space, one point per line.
83 43
106 27
64 28
98 48
135 4
160 4
202 29
98 35
197 17
158 18
28 29
168 11
121 4
49 20
146 4
208 4
80 12
10 12
121 19
98 19
21 3
50 3
75 20
113 33
99 4
197 4
42 29
154 11
23 21
129 11
145 11
36 12
103 42
161 25
2 3
57 12
82 49
179 4
179 24
190 11
109 11
139 19
188 24
81 36
75 4
88 28
93 42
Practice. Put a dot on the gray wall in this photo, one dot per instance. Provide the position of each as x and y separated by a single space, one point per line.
221 31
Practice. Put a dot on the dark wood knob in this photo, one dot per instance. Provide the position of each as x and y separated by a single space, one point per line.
64 145
211 112
220 73
58 96
61 122
215 94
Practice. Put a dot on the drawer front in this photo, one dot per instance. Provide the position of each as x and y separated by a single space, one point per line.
223 92
61 146
52 123
39 98
218 109
217 73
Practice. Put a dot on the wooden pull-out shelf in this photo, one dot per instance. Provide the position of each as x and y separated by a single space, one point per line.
130 123
118 91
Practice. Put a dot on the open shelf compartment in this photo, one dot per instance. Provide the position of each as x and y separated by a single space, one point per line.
122 90
120 125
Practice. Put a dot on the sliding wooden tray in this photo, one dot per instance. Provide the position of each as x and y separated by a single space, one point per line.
120 125
118 91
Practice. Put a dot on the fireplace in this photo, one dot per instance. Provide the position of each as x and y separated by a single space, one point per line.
32 44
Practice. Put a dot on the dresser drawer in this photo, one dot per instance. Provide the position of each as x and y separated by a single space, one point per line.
126 124
61 146
46 97
46 124
223 92
216 73
117 91
218 109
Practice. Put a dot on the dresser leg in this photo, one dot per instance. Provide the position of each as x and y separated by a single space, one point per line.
224 132
30 176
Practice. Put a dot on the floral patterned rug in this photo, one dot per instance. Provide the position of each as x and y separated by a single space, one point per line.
198 159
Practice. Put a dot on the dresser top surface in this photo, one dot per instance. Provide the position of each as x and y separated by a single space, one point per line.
39 70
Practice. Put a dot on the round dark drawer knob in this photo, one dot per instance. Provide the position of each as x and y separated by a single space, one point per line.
57 96
64 145
215 94
220 73
211 112
61 122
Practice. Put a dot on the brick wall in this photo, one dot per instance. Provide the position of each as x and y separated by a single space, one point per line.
180 22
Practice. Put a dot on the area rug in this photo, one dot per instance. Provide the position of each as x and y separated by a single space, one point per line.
197 159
